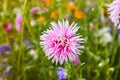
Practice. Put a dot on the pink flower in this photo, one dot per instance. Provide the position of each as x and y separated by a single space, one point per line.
32 51
34 10
32 22
60 42
76 60
7 26
114 11
18 22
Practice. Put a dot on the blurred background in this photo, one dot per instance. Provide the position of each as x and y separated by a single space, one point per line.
22 23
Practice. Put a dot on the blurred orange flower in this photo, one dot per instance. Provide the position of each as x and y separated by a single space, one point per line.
41 18
1 78
105 11
78 14
54 14
71 7
48 3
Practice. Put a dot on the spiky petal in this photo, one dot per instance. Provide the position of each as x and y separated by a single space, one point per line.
114 11
60 42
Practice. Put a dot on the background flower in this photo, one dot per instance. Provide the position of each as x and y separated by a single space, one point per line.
34 10
61 74
18 22
76 60
4 49
7 26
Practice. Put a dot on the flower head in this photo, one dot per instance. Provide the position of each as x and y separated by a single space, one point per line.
27 42
71 6
34 10
61 74
60 42
76 60
32 51
4 49
105 36
18 22
54 14
114 11
6 73
7 26
48 3
41 19
32 22
3 64
78 14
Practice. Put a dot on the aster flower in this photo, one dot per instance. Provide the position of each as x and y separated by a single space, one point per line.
60 42
114 11
18 22
61 74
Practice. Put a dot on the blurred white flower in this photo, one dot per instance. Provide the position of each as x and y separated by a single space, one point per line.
17 11
103 30
105 36
34 54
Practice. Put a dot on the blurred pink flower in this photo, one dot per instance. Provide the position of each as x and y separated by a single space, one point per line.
76 60
114 11
34 10
32 51
18 22
32 22
7 26
60 42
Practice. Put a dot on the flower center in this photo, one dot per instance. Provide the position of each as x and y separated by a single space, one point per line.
62 41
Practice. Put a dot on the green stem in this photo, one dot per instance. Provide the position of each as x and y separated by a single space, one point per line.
113 47
117 70
21 40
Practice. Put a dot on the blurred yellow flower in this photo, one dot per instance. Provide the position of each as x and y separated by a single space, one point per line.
54 14
78 14
41 18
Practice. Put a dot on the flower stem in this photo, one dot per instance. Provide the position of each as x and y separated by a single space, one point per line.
21 40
